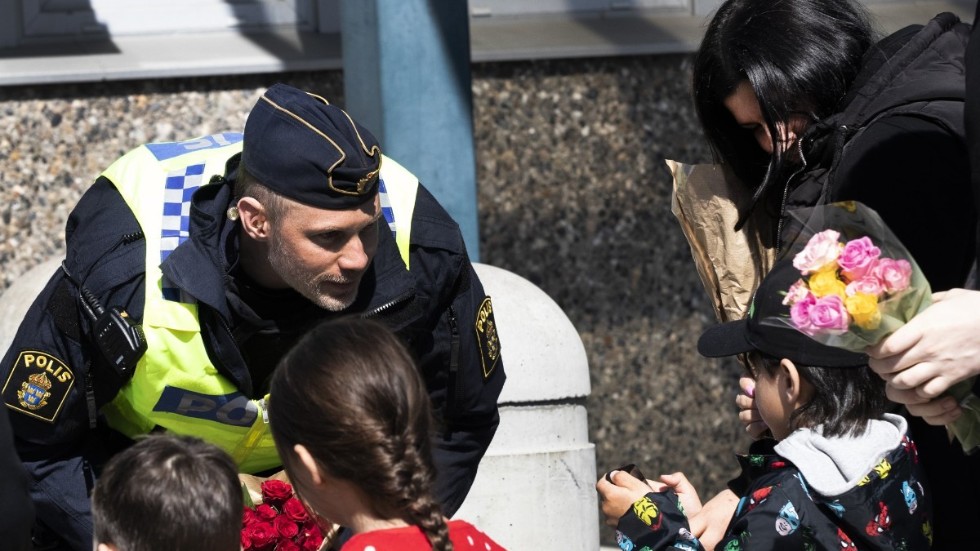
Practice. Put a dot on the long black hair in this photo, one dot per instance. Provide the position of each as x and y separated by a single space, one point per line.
800 57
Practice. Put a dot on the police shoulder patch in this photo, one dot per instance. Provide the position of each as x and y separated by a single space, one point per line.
38 385
486 337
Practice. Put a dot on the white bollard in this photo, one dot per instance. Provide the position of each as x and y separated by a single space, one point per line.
17 299
536 485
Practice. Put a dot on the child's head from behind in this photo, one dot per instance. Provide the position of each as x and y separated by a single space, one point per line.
347 404
799 381
168 492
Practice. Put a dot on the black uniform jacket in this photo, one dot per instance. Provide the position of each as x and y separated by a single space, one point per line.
433 307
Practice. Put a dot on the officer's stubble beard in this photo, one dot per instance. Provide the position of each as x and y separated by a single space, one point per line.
287 266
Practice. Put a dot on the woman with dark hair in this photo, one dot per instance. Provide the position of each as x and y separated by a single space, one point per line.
805 106
352 423
798 99
796 59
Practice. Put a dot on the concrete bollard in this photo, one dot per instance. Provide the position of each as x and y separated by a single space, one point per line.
17 299
536 485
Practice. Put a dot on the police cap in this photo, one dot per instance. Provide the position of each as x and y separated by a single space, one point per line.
300 146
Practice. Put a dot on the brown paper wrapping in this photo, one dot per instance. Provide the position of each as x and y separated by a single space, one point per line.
731 264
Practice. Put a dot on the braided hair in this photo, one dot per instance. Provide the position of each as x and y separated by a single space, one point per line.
359 381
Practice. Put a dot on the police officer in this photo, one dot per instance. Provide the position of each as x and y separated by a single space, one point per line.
16 507
191 268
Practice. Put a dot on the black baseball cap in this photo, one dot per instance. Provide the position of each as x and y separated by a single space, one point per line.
299 145
767 329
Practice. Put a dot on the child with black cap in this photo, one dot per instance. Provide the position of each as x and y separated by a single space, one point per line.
840 473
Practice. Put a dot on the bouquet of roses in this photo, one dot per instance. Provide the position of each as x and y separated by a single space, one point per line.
857 285
280 522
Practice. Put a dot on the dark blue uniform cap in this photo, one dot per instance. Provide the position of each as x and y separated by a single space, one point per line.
300 146
767 329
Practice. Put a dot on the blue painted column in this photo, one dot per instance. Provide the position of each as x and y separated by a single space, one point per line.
407 79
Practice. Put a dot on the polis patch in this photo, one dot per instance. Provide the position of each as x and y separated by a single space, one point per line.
486 338
38 385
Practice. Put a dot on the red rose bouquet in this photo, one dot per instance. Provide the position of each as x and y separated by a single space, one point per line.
280 522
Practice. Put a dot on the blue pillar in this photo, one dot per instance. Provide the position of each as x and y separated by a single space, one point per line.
407 79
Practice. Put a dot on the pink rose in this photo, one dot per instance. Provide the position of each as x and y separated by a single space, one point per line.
799 313
895 275
822 249
858 257
829 314
820 315
868 284
797 292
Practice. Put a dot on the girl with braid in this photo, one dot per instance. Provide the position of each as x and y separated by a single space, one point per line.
352 423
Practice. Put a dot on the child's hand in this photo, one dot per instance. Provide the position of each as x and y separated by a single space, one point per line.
618 490
710 523
748 413
685 491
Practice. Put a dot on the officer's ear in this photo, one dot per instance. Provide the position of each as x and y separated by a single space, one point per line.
254 217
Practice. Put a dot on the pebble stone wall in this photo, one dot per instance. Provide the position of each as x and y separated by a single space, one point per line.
574 195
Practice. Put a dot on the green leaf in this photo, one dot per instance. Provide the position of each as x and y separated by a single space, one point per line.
247 497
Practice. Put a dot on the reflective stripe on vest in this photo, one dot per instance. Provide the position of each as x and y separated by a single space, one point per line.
398 188
175 385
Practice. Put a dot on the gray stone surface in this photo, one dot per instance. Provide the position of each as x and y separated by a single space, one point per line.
574 196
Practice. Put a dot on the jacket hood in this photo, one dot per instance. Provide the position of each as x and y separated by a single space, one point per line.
834 465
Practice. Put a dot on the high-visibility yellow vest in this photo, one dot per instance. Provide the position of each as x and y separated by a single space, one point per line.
175 385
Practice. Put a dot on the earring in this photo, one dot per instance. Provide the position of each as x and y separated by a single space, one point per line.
232 213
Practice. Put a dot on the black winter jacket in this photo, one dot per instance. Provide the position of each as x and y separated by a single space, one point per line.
897 144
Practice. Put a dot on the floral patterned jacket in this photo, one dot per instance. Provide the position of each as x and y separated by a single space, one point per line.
889 508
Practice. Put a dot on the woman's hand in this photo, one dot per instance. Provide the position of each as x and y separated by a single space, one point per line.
935 350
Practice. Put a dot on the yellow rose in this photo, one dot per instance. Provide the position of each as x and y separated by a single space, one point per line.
825 282
863 309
